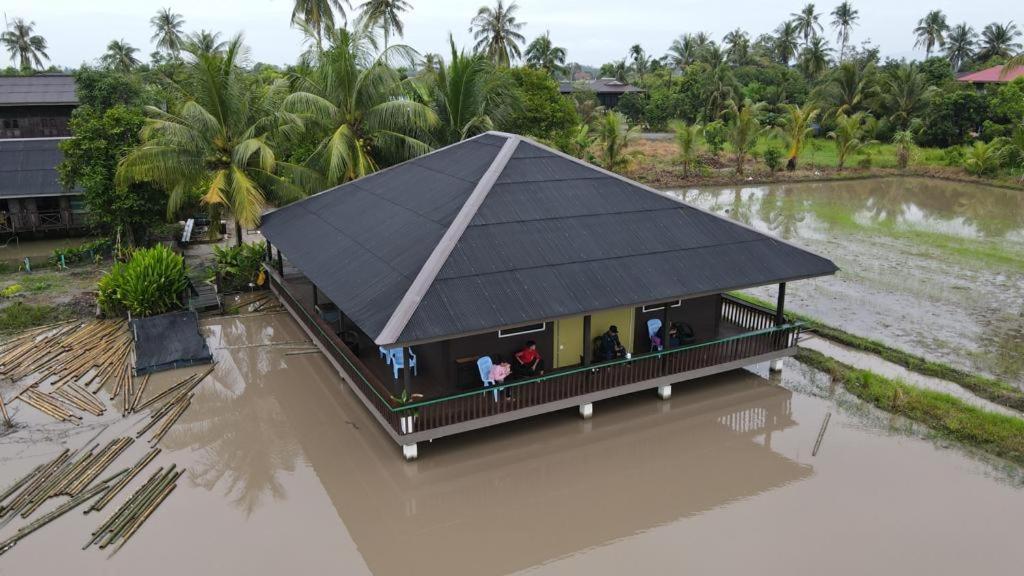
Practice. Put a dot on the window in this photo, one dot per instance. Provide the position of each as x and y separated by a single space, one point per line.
529 328
655 307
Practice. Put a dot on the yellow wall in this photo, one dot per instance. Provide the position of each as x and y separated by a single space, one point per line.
621 318
568 341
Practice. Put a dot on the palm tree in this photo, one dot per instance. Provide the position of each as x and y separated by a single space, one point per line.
683 51
904 142
496 31
613 137
640 61
787 42
931 31
465 95
353 104
687 140
797 126
319 15
905 95
217 142
1012 64
806 22
814 58
844 18
384 15
120 56
28 49
960 45
848 134
744 130
543 54
737 45
204 42
848 88
167 32
582 144
999 40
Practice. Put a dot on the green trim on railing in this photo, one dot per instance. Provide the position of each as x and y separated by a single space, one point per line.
607 364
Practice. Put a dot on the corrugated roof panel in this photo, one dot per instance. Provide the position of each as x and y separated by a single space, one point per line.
29 168
46 89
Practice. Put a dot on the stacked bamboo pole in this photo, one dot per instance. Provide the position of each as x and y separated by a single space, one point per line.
33 482
3 412
131 474
73 477
50 517
127 519
48 405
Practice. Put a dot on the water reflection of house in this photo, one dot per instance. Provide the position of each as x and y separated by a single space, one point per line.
34 116
472 251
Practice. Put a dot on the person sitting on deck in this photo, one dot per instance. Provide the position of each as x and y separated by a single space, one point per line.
500 371
528 362
611 348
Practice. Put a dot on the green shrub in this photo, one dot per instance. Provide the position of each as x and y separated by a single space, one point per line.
773 159
982 159
150 283
10 290
953 156
87 252
715 135
238 265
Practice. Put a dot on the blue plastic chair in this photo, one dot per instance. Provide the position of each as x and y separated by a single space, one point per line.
484 365
398 361
653 325
385 354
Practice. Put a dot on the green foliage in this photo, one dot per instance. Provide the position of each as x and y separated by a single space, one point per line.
11 291
904 146
238 266
151 282
952 116
1007 104
543 112
613 137
744 130
715 134
103 89
87 252
982 159
22 316
772 157
953 156
687 140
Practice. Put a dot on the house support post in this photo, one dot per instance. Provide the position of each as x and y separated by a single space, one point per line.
316 297
406 372
270 252
280 264
665 392
665 342
780 306
776 365
588 349
410 451
587 411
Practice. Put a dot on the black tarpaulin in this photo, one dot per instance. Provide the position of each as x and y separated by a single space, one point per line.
168 341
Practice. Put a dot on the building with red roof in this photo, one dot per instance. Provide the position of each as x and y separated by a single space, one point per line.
993 75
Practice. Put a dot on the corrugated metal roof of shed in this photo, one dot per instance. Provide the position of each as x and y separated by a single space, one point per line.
29 168
43 89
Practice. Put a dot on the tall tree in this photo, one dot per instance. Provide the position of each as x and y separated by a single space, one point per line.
543 54
737 47
466 96
167 31
931 31
217 142
319 15
807 23
685 49
496 31
905 95
844 18
787 42
848 89
26 48
999 40
640 61
353 104
814 58
960 45
120 56
384 14
204 42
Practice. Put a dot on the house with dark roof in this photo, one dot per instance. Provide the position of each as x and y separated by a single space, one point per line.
608 90
418 279
34 116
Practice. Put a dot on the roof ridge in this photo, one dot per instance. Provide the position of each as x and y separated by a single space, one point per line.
428 273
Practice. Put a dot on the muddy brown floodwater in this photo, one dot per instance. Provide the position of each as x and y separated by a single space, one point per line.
928 266
289 474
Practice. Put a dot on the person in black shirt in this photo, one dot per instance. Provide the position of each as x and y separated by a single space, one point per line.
611 348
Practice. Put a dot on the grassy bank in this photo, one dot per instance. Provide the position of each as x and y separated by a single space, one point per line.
950 417
21 316
982 386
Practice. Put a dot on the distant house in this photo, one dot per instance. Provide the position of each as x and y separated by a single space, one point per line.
34 116
993 75
608 90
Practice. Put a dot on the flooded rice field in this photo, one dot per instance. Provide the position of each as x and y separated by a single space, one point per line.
288 473
932 267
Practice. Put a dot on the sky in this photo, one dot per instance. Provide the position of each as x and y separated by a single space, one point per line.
592 31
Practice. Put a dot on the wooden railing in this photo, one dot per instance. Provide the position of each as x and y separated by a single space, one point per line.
39 220
764 338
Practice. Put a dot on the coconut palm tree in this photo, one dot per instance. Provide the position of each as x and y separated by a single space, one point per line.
204 42
543 54
960 45
999 40
613 135
640 61
26 48
683 51
844 18
384 14
904 142
466 95
319 15
721 86
217 141
905 93
806 22
814 58
744 129
787 42
737 45
847 89
167 31
796 128
496 31
687 140
353 103
848 135
120 56
931 31
1012 64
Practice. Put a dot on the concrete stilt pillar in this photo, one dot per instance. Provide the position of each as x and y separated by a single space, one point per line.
586 411
776 365
410 451
665 392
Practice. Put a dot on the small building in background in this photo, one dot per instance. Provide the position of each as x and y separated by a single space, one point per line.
608 90
993 75
35 112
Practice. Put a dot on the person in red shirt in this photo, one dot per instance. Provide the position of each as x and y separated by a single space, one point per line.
528 362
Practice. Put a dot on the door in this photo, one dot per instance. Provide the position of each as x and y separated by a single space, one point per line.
621 318
568 341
